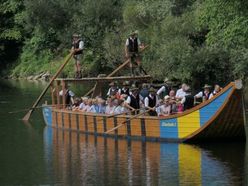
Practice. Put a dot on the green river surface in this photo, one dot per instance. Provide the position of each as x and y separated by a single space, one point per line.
33 154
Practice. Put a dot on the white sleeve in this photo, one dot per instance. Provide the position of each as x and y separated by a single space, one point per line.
211 95
61 93
71 93
108 94
128 100
199 95
146 102
138 40
178 93
81 45
183 100
127 42
162 89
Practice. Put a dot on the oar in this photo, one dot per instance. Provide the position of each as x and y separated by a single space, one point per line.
115 71
124 122
27 116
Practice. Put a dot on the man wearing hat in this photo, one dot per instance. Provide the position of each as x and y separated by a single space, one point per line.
132 51
113 90
188 100
205 94
124 89
133 102
151 101
77 48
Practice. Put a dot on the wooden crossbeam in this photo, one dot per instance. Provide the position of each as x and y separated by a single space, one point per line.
106 79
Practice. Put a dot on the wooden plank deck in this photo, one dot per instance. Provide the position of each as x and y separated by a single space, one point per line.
106 79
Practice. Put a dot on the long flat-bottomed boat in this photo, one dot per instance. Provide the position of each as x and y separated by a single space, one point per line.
220 118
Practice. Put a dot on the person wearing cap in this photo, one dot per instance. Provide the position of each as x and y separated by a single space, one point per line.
113 90
205 94
69 96
164 90
151 101
77 48
124 89
132 51
188 100
132 102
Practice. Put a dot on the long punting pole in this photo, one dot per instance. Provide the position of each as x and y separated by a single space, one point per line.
27 116
115 71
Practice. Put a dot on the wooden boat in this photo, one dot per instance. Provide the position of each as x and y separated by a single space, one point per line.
222 118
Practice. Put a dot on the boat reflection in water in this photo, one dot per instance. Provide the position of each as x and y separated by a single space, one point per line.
77 159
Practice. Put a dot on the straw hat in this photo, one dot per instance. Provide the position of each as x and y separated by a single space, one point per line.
134 32
207 86
166 97
125 83
76 35
133 88
152 89
112 84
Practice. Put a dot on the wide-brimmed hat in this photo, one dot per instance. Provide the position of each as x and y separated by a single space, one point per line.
207 86
152 89
76 35
125 83
112 83
166 97
134 32
133 88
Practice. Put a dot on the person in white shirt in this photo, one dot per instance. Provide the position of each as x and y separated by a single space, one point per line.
205 94
217 89
151 102
164 109
181 92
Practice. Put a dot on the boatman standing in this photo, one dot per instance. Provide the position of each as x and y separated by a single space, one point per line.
77 47
132 51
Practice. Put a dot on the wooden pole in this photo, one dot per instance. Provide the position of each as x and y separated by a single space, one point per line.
115 71
28 114
64 92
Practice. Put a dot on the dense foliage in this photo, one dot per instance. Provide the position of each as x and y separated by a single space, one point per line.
189 40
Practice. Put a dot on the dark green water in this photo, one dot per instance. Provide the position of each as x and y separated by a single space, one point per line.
32 154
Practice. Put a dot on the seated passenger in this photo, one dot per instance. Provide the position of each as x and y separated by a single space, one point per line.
205 94
173 101
83 103
76 104
188 100
217 89
88 105
110 106
165 108
120 108
181 92
101 105
151 101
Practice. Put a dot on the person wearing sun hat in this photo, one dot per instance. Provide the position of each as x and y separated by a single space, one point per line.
151 101
205 93
77 48
132 46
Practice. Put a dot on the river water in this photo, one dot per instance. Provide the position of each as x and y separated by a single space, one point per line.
33 154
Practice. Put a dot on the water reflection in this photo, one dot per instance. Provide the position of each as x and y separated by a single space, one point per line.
76 159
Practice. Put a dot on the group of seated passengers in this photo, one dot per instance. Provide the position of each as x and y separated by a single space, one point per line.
146 99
